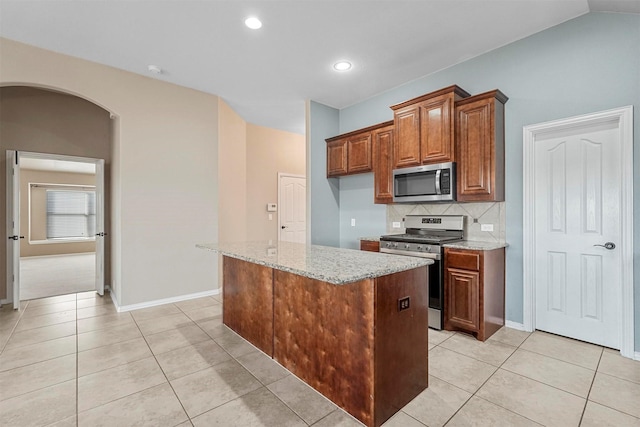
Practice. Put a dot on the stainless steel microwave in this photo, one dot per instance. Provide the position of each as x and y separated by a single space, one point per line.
428 183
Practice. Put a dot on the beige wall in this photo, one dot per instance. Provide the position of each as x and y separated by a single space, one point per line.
232 175
164 148
269 151
33 213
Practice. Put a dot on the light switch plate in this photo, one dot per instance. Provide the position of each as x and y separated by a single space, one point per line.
353 222
395 224
486 227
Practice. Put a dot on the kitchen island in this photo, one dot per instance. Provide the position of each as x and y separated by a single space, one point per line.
351 324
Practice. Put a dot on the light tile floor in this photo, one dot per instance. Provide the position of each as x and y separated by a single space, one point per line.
72 360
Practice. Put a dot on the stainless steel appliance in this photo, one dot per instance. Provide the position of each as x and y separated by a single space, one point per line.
428 183
424 237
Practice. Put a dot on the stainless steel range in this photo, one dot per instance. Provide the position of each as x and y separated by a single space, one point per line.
424 237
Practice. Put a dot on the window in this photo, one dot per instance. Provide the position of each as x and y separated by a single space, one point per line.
71 214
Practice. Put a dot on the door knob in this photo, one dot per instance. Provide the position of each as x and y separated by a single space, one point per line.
15 237
283 226
608 245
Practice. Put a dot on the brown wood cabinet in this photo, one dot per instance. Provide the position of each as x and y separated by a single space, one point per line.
474 291
424 128
383 164
370 245
337 158
352 152
480 142
359 158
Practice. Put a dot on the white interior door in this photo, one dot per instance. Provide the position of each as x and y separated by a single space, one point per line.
292 217
100 234
577 221
13 228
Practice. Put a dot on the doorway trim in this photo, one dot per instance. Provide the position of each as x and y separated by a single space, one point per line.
12 284
623 118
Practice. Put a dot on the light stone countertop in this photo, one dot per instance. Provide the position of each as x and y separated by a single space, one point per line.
334 265
371 238
478 246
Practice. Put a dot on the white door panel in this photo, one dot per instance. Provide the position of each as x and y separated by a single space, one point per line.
292 195
13 228
100 226
577 206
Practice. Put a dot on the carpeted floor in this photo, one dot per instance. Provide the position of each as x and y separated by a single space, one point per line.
56 275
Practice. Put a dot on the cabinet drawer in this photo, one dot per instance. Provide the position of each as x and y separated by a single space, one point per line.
467 260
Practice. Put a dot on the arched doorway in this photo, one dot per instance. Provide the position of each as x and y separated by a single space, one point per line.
50 122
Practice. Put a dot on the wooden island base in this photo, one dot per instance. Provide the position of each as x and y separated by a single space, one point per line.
351 342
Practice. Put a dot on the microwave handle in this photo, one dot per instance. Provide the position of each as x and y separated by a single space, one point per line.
438 191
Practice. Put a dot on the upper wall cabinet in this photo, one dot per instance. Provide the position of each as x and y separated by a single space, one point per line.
382 140
352 152
425 128
349 154
337 157
480 141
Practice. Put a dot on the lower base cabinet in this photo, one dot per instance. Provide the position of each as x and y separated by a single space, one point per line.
350 342
474 291
369 245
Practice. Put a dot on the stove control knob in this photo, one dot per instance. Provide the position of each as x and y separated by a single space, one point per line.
395 245
388 244
428 248
407 246
419 248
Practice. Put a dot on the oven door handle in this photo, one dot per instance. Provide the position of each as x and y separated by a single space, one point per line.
436 257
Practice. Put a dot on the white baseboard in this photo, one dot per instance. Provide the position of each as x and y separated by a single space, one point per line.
515 325
157 302
636 355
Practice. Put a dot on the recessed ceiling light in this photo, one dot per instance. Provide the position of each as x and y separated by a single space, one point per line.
253 23
342 66
155 69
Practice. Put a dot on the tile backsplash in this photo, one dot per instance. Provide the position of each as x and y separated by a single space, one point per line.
475 214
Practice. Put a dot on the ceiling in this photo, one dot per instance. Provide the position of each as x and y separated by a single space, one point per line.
266 75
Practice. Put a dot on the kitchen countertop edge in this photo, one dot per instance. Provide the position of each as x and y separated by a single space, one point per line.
474 245
318 262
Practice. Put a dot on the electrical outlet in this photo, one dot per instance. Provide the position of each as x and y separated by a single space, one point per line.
403 303
353 222
395 224
486 227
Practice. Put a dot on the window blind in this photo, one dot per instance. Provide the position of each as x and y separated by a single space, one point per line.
71 214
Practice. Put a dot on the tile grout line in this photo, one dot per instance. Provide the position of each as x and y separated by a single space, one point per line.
265 386
593 380
160 366
13 330
486 381
524 376
233 358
